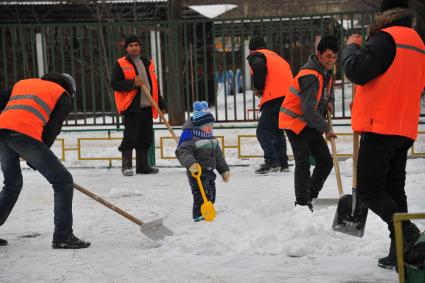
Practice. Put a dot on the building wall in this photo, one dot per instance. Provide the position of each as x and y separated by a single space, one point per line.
261 8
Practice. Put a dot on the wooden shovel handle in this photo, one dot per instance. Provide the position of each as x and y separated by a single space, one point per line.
108 204
155 105
335 157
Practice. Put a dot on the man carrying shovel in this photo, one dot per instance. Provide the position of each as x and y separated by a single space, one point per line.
390 76
133 74
302 115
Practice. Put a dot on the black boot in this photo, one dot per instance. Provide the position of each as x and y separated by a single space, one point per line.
3 242
142 166
410 235
127 164
390 261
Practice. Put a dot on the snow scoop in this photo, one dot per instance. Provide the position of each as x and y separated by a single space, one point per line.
351 213
154 230
207 208
332 201
155 105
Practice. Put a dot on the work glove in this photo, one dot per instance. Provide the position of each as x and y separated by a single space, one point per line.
194 168
226 176
330 135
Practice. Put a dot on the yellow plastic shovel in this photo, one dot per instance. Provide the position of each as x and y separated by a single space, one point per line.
207 208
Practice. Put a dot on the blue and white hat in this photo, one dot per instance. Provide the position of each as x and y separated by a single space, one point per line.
201 114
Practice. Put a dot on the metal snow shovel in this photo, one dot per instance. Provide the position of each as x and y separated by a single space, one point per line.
154 230
207 208
351 213
155 105
332 201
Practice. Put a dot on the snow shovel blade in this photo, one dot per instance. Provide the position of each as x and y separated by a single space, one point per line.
324 202
345 221
155 230
208 211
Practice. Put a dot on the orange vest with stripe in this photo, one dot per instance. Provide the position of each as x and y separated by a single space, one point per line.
123 99
279 76
291 116
390 103
29 107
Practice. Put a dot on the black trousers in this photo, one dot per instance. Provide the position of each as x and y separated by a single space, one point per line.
309 142
208 182
271 138
381 174
138 130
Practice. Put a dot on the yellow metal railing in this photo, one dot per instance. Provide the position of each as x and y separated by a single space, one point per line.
397 219
238 146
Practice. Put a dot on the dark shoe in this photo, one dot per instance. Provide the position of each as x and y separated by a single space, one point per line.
199 218
265 168
390 261
304 203
142 165
127 163
284 168
71 243
3 242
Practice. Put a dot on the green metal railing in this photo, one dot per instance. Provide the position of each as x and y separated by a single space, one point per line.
210 49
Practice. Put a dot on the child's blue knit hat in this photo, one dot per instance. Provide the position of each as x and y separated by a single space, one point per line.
201 114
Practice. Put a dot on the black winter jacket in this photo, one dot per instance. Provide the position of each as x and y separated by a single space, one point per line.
361 65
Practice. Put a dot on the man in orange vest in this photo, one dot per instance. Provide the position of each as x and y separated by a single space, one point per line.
271 76
32 114
302 115
129 74
390 76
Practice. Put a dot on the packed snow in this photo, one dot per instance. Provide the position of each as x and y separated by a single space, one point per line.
257 236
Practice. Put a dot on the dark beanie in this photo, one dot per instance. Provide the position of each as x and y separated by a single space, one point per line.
257 42
392 4
328 42
130 39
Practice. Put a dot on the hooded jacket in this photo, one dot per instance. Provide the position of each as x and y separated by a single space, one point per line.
309 87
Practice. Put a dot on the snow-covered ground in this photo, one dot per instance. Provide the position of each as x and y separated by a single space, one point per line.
257 236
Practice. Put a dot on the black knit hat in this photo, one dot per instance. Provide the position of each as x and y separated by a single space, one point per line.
328 42
130 39
392 4
257 42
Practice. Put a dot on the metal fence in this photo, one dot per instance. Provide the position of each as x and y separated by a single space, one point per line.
211 58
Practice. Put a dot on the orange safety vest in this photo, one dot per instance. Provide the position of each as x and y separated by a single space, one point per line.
291 116
278 79
29 107
123 99
390 103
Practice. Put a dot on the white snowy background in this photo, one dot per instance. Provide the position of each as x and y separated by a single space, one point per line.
257 236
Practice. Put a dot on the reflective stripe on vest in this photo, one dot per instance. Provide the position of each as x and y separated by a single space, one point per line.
278 78
123 99
291 116
398 90
29 113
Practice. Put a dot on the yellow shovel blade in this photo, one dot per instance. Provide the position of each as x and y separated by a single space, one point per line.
208 211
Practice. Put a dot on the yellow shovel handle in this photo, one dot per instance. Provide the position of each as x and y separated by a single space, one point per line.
197 176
